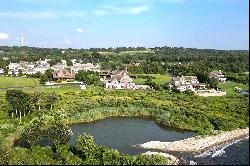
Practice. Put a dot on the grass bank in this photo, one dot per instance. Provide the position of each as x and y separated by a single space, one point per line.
229 87
158 78
8 82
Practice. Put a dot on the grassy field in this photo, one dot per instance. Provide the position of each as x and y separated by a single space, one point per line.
230 86
125 52
159 79
8 82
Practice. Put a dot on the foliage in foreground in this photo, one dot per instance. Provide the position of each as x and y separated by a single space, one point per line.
49 117
85 152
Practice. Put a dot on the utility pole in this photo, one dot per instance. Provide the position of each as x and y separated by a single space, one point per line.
22 39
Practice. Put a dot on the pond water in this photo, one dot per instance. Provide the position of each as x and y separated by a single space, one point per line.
122 133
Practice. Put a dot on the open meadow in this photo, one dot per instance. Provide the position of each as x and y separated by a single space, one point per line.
9 82
157 78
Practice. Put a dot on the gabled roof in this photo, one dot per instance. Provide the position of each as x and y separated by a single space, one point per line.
63 74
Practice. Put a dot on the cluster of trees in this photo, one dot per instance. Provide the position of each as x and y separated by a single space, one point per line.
21 103
90 77
84 152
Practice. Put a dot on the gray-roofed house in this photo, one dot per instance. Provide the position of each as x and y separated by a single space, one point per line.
218 75
186 83
120 80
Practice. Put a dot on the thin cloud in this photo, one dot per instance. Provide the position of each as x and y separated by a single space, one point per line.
127 10
4 36
101 12
39 14
81 30
43 14
137 10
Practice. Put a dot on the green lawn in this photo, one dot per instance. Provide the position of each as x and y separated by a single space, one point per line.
8 82
134 52
159 79
124 52
229 87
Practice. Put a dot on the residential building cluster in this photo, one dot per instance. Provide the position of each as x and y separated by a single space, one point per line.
192 83
117 79
43 65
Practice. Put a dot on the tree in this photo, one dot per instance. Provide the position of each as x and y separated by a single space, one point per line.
51 98
48 76
69 63
213 82
202 76
20 72
85 144
89 77
54 61
19 101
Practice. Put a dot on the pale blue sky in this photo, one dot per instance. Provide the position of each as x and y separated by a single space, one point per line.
217 24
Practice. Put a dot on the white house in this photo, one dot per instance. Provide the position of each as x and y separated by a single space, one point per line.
88 66
42 63
41 69
27 64
12 72
119 82
59 66
185 83
1 71
218 75
119 79
64 61
28 71
13 66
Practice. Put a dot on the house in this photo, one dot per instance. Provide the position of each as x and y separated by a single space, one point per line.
41 69
105 75
12 72
28 71
218 75
13 66
119 82
59 66
119 79
26 64
64 61
42 63
85 67
186 83
63 75
1 71
24 67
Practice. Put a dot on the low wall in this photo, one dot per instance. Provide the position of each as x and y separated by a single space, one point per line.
211 94
196 144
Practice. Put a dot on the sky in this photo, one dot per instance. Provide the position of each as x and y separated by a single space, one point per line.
210 24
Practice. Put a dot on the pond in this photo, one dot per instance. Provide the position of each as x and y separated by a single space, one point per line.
121 133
